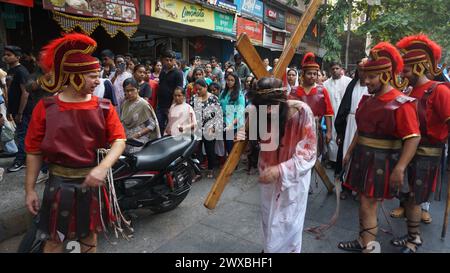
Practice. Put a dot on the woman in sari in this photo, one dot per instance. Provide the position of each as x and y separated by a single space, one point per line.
137 116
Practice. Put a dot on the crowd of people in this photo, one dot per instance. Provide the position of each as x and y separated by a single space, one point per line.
334 119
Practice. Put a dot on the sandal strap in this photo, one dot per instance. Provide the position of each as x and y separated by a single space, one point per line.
354 245
88 245
368 231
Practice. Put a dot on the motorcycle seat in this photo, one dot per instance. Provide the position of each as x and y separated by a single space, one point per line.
159 153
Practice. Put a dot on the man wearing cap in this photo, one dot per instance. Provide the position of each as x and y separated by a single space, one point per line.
18 102
65 131
385 142
315 96
422 56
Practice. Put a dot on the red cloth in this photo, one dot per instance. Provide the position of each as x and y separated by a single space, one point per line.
437 112
190 92
407 122
37 126
329 108
154 85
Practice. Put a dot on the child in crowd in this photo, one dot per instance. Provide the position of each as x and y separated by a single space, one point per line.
181 115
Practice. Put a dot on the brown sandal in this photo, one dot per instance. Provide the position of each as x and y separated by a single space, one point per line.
398 212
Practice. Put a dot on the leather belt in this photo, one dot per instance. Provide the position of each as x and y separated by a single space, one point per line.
69 172
388 144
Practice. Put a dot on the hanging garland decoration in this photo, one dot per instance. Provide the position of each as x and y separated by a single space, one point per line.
69 22
113 27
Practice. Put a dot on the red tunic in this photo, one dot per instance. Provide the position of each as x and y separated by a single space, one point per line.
38 131
406 120
437 111
320 104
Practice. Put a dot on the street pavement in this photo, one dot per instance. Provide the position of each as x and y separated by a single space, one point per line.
235 225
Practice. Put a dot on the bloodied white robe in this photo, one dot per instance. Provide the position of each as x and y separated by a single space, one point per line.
358 92
283 202
336 90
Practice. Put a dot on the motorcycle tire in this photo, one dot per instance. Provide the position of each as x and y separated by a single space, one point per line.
30 242
175 202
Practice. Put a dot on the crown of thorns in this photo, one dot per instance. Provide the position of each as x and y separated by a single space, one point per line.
271 90
270 94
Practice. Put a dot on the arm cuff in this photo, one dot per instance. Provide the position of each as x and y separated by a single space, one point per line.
35 153
120 140
410 136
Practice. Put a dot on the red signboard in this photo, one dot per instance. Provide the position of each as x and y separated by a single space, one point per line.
278 38
26 3
118 10
253 29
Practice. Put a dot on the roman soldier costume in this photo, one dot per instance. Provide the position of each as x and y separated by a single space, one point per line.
434 113
384 121
317 99
423 55
67 136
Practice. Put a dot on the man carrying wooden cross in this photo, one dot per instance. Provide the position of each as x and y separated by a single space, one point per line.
285 170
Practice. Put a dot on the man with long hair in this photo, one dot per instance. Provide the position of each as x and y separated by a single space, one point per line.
285 167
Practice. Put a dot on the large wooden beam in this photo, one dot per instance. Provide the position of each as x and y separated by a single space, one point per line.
256 65
296 38
251 56
225 174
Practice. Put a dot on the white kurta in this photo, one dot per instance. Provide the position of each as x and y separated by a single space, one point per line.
336 90
358 92
283 203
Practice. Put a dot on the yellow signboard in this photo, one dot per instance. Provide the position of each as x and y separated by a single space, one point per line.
183 13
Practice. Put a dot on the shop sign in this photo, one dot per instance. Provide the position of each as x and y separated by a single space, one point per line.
274 17
223 22
118 10
252 8
227 4
291 22
273 39
26 3
254 30
184 13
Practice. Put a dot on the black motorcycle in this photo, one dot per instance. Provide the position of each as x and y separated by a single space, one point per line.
159 177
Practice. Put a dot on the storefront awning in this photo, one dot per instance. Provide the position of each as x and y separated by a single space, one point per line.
276 29
88 24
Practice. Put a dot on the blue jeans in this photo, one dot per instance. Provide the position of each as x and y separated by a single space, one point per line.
21 132
162 114
10 147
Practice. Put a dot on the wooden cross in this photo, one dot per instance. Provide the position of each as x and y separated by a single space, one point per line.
256 65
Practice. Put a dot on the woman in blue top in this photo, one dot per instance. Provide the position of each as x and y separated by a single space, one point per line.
232 102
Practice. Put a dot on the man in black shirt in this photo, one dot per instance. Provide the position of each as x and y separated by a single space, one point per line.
19 105
170 78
